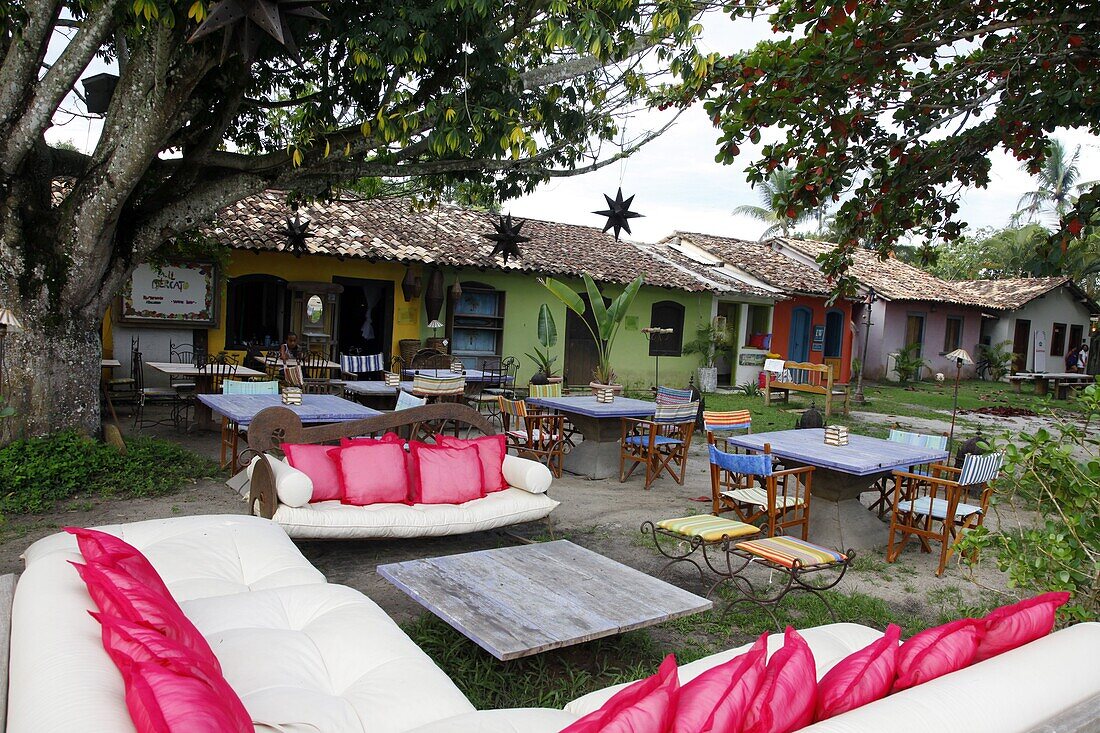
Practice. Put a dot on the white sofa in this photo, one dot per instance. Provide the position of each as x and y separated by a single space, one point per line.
308 656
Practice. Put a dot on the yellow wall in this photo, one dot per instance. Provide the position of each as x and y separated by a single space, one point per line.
321 269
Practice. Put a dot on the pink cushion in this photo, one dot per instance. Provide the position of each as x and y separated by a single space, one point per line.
129 644
117 594
647 706
1020 623
716 701
446 475
314 461
372 473
163 700
861 677
106 549
938 651
491 449
787 695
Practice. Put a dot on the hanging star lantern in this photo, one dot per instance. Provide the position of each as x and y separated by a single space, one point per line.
246 21
507 238
296 233
618 213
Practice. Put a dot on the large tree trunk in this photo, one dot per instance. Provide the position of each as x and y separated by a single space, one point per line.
51 377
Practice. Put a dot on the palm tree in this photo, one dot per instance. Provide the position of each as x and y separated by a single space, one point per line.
774 191
1058 185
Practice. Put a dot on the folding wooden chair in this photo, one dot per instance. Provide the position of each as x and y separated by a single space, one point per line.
535 436
932 508
780 502
885 485
719 425
661 444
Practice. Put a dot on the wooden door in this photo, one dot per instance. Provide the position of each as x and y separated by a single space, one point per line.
581 355
1020 341
798 343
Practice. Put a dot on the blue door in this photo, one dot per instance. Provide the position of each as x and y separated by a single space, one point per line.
798 345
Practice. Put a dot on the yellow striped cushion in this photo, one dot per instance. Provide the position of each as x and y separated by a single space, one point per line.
759 497
786 550
708 526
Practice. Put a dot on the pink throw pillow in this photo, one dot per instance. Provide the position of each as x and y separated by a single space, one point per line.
716 700
314 461
938 651
1020 623
163 700
372 473
787 695
129 644
118 594
491 449
106 549
446 475
861 677
647 706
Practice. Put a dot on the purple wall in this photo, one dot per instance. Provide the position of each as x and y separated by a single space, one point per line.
888 328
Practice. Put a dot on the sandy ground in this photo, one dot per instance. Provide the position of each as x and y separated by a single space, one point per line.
604 516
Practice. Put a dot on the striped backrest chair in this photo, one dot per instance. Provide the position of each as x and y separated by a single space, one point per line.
545 390
673 396
662 443
353 365
776 500
438 387
719 424
885 485
537 436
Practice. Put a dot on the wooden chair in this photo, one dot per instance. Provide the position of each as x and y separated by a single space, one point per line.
932 508
315 373
439 389
532 435
780 502
661 444
885 485
719 425
354 366
230 430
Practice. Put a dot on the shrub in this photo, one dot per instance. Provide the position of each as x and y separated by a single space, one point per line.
909 364
38 472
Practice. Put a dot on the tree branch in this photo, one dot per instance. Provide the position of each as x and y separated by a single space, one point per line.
25 55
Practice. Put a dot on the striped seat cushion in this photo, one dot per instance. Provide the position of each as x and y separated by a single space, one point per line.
759 497
676 412
786 551
671 396
657 440
719 421
938 508
708 527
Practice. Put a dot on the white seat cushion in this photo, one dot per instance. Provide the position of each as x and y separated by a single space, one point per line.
759 497
938 508
333 520
323 658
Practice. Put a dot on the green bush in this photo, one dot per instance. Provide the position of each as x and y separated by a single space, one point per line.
37 473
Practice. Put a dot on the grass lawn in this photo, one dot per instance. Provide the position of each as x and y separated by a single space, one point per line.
934 399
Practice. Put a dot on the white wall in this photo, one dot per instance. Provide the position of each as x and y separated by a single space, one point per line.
1058 306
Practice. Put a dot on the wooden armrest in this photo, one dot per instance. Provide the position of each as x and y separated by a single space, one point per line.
793 471
926 479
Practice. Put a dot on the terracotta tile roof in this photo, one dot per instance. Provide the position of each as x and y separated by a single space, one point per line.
1013 293
447 235
761 261
891 277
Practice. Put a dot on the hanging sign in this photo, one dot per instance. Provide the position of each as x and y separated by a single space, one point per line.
170 294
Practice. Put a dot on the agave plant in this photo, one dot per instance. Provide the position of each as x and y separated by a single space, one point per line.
608 318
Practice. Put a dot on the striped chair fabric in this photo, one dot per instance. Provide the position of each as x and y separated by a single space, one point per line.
708 527
980 469
676 412
757 464
358 364
937 508
546 390
406 400
758 497
720 421
438 386
919 440
786 551
672 396
515 408
233 386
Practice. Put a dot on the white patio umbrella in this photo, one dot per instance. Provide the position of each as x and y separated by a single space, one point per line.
960 357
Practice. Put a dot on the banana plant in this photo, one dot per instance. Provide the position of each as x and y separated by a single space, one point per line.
608 318
548 337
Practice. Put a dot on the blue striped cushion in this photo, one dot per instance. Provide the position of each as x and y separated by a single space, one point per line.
358 364
980 469
670 396
757 464
685 412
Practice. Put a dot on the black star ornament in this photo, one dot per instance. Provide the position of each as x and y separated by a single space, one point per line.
245 22
296 233
618 213
507 238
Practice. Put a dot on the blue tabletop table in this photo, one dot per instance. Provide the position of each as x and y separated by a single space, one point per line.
315 408
597 456
472 375
842 473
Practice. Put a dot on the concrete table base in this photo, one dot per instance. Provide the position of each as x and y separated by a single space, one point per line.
597 455
837 518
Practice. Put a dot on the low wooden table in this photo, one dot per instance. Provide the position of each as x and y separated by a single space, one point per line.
600 423
518 601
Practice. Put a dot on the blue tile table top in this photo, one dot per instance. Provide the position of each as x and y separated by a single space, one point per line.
861 457
241 408
588 406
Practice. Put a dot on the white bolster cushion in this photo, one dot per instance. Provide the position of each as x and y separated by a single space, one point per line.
523 473
508 720
293 487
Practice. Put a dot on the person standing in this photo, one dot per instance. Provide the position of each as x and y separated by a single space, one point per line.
1083 358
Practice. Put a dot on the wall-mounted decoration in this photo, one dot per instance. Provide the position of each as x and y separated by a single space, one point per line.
750 359
618 213
170 295
817 346
819 334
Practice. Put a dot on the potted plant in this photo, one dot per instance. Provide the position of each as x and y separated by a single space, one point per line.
708 343
608 318
548 338
909 365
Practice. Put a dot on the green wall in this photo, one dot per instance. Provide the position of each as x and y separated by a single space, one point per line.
630 357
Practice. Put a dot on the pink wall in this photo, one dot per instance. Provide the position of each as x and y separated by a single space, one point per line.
889 327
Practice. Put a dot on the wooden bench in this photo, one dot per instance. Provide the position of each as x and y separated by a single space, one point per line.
1057 382
808 378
